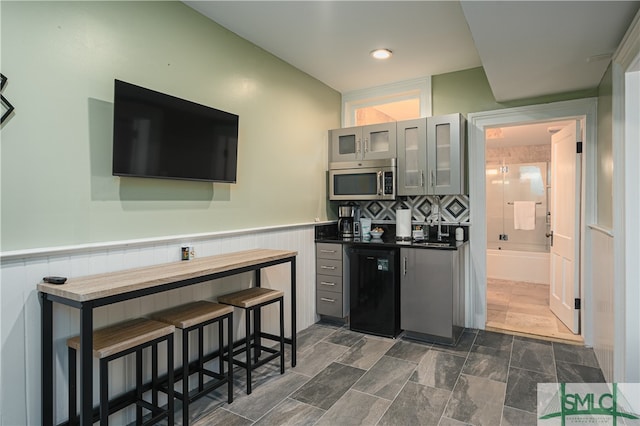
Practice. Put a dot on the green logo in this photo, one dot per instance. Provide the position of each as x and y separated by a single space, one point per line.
583 403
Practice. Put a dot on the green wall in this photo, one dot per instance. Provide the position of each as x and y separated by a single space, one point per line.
469 91
61 59
604 168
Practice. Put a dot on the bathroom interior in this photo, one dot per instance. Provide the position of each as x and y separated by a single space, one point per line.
518 221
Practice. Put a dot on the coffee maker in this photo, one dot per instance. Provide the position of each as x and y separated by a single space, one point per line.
348 220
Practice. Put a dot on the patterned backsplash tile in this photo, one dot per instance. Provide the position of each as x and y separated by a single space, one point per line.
455 208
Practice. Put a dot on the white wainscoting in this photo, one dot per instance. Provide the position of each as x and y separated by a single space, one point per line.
20 308
600 270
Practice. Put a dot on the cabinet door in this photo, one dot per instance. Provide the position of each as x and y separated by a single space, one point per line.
426 293
445 154
345 144
412 156
379 141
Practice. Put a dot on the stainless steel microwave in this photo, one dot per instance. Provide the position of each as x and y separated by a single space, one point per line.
363 180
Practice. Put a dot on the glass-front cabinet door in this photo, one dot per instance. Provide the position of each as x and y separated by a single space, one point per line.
445 154
412 156
379 141
345 144
371 142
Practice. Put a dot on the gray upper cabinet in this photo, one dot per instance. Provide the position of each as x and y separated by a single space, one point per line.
431 156
372 142
412 157
446 155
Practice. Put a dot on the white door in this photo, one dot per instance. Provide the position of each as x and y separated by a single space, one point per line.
565 226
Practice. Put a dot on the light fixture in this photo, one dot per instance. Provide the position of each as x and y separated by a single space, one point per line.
381 53
494 133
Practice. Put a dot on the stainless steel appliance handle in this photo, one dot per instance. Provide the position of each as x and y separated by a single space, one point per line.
358 145
327 283
380 182
324 299
327 251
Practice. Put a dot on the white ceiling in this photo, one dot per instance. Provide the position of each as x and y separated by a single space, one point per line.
527 48
523 134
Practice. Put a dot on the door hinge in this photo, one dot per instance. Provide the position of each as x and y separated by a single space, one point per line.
579 148
577 303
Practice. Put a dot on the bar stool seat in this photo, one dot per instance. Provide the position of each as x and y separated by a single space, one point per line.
191 317
116 341
252 300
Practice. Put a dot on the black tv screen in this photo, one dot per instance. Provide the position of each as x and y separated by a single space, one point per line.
160 136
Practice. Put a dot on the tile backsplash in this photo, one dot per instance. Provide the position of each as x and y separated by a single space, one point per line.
455 208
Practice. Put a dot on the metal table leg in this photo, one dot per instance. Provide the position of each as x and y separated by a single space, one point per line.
86 365
47 359
293 313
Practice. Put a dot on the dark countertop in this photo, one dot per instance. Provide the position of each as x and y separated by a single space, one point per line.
328 234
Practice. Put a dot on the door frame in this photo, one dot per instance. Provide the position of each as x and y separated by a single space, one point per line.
626 229
581 109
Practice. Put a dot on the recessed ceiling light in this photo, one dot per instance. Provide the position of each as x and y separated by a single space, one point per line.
381 53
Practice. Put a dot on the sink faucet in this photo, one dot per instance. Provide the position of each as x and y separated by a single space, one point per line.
440 233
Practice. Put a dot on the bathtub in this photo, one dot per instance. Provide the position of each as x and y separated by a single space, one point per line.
527 266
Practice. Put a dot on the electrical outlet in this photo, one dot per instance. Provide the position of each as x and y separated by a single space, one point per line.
187 252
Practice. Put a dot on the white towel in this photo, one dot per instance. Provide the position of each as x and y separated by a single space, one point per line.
524 215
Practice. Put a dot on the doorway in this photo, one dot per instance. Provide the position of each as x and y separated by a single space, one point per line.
583 110
518 211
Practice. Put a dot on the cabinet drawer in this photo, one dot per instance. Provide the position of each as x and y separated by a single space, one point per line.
328 303
329 283
329 267
329 251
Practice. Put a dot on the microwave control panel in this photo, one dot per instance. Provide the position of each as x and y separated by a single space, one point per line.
388 183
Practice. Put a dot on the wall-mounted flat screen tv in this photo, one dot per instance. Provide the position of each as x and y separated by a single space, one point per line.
160 136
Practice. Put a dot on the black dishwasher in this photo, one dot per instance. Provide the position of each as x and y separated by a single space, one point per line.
374 290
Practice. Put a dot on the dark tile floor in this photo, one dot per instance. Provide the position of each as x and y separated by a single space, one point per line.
348 378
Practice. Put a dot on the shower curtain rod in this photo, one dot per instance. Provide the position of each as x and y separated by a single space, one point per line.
511 202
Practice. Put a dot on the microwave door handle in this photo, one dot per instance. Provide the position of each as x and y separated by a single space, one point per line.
380 182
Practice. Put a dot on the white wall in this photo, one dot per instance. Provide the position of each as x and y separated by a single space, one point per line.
20 307
600 272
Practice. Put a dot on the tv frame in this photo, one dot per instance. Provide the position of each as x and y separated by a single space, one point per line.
166 103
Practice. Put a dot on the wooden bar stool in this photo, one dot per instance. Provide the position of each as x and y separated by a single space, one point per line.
117 341
251 300
191 317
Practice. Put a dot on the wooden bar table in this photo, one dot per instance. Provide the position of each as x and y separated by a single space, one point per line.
93 291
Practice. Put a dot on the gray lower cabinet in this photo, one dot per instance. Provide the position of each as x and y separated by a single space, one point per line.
432 294
332 294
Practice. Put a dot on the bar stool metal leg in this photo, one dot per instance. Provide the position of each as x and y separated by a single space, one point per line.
281 335
229 358
170 381
247 339
154 375
200 358
104 392
139 386
185 378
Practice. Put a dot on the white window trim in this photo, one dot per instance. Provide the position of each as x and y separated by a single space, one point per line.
410 89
